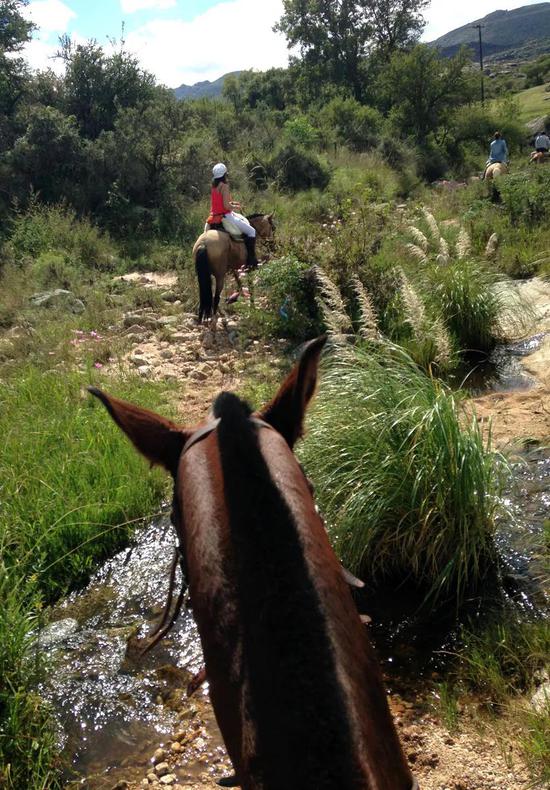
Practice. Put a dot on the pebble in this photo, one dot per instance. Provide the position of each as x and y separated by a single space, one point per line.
151 777
176 747
161 769
167 320
144 370
159 756
168 779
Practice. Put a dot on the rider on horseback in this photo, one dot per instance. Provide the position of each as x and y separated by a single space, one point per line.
222 207
498 152
542 143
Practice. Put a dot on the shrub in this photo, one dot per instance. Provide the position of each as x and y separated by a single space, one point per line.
294 168
525 195
45 229
352 124
286 304
409 491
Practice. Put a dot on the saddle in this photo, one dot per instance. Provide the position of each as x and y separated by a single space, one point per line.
226 226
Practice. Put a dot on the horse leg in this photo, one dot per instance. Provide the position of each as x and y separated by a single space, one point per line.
219 287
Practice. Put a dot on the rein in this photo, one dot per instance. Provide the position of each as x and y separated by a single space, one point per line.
167 620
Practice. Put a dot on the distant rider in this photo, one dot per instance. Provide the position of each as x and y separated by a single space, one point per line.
222 207
498 152
542 143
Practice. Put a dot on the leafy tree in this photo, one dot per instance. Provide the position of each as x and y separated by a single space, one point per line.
334 36
395 24
97 86
15 31
420 89
48 158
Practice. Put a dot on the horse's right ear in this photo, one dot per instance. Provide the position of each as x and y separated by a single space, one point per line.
287 409
158 439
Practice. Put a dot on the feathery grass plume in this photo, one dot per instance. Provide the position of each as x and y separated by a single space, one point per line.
442 342
433 227
415 313
463 244
444 255
417 252
419 237
411 489
491 248
332 306
368 324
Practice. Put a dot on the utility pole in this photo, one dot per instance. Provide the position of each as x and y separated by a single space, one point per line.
479 28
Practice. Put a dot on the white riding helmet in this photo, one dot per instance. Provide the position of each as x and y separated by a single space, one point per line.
219 170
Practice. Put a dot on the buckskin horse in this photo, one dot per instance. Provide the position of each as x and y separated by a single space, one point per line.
295 686
215 253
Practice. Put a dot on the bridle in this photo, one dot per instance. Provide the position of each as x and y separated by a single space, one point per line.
167 620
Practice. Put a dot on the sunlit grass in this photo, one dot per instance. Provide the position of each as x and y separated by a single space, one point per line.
409 491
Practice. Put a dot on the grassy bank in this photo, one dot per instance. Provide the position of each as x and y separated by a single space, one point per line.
72 489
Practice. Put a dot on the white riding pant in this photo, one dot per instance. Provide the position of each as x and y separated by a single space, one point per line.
241 223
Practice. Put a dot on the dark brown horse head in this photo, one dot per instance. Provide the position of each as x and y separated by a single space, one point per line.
264 225
295 686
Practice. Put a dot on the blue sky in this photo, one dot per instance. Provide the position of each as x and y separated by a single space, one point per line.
192 40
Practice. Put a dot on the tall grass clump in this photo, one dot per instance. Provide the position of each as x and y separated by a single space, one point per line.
70 488
409 490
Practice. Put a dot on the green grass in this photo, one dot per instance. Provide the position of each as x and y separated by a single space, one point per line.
533 103
71 490
409 492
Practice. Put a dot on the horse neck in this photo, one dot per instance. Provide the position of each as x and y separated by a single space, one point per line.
293 652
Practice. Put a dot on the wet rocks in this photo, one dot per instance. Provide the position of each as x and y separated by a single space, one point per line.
57 632
162 769
159 756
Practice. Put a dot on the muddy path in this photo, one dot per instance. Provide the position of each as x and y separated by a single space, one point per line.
155 736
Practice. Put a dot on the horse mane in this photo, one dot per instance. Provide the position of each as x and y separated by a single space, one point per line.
255 216
289 668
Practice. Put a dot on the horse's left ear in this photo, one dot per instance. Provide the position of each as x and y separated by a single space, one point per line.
158 439
287 409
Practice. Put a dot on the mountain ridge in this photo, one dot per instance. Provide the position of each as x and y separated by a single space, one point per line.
506 33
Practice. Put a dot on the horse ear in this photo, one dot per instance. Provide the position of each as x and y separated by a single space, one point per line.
286 411
158 439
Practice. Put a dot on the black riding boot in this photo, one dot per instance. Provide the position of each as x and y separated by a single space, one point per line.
250 244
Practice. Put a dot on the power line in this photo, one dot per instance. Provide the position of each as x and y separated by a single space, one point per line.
479 29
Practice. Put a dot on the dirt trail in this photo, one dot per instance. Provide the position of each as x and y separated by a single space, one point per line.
193 757
524 415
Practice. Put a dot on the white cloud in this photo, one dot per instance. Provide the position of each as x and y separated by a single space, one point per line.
130 6
228 37
50 16
444 16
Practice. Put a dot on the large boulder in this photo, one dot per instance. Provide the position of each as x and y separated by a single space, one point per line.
58 298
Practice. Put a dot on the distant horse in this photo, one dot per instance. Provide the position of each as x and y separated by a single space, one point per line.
295 686
539 158
215 253
495 170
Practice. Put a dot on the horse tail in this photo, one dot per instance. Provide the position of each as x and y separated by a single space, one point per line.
202 267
